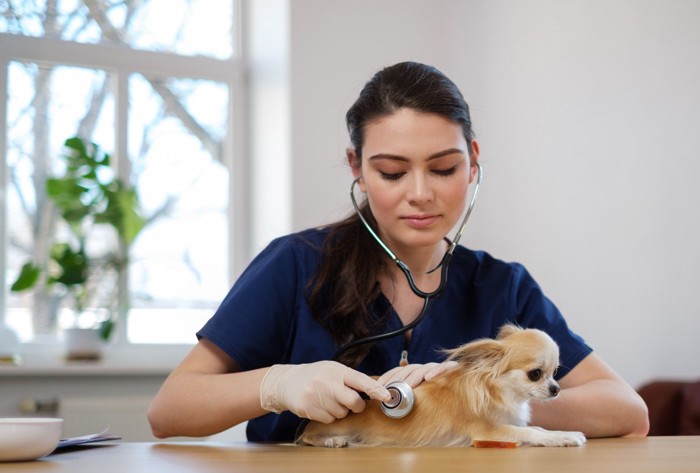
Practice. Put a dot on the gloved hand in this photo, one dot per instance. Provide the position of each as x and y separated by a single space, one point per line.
415 374
321 391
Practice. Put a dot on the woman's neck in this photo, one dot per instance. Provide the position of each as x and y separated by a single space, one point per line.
421 262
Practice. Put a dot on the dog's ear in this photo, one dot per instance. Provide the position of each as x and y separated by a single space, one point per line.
478 355
483 363
508 330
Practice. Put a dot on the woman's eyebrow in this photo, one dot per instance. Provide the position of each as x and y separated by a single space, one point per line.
396 157
446 152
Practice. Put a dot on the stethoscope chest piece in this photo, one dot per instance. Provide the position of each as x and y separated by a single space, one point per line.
401 402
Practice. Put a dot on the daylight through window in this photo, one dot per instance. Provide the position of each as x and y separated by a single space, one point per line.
136 228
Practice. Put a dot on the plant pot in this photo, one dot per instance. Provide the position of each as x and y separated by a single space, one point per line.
9 345
83 344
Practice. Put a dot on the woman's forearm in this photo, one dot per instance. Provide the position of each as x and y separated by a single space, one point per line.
598 408
199 404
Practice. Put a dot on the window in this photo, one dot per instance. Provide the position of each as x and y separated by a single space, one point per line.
156 84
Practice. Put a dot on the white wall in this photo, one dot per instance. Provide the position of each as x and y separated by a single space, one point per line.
588 117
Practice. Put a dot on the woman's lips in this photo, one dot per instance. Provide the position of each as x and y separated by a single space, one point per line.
420 221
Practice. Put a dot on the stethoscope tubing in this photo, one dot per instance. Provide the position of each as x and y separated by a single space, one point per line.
444 262
443 265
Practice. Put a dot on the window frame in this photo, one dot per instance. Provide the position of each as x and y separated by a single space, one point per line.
120 63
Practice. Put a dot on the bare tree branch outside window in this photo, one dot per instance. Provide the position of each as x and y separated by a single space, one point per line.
33 143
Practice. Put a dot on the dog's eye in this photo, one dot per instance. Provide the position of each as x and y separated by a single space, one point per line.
535 374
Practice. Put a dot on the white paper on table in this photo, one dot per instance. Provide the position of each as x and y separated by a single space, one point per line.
90 438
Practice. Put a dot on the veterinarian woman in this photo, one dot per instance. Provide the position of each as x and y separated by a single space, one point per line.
265 355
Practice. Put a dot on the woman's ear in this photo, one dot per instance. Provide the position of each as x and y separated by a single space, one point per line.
473 170
355 167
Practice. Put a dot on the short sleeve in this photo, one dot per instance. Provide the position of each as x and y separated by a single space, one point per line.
256 319
534 310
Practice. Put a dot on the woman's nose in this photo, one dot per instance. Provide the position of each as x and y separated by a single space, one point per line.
420 190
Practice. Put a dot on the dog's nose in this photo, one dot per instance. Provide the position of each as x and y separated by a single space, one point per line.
554 390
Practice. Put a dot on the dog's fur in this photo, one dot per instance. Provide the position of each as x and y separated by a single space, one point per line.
485 397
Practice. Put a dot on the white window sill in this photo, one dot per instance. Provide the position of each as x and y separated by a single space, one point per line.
118 360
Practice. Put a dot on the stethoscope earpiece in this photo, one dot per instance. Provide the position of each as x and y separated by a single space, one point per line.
401 402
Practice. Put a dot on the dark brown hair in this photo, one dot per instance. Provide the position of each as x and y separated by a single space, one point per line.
346 281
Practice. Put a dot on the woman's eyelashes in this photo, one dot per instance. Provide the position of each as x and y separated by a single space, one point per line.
395 176
445 172
391 176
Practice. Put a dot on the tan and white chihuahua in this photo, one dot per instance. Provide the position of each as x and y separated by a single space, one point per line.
484 398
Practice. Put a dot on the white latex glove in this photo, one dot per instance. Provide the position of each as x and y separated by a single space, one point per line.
321 391
415 374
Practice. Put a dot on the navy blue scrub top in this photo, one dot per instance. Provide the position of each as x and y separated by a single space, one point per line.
265 318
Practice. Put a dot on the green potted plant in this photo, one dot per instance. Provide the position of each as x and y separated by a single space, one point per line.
92 203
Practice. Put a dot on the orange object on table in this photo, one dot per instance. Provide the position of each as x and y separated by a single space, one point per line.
494 444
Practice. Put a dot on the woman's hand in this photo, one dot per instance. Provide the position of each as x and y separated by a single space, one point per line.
321 391
415 374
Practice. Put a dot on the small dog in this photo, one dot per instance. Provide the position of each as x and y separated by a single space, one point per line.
485 397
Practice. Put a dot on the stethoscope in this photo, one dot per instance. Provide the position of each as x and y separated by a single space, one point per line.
402 397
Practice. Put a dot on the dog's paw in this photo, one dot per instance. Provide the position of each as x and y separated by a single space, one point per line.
565 439
538 437
335 442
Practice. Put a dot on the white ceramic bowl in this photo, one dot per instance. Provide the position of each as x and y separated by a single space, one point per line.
28 438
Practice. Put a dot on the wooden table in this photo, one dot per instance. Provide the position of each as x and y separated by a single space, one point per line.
654 454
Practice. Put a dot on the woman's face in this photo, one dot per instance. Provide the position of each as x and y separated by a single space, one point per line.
415 170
